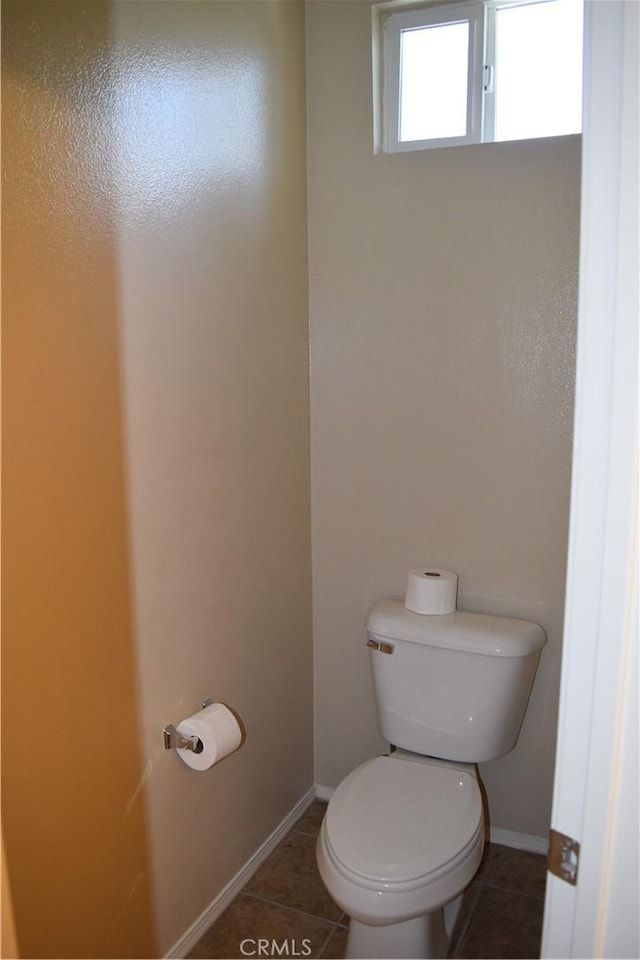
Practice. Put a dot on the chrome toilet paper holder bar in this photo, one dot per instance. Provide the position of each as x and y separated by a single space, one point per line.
173 740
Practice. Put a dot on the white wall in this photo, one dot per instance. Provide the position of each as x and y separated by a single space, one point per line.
442 312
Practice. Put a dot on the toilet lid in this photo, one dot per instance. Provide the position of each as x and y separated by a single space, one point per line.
396 820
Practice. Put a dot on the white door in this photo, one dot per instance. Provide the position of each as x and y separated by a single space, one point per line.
596 779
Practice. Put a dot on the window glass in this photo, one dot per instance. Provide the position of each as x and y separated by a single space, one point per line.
538 70
434 81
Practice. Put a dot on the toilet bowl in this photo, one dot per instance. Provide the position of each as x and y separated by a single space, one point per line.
403 836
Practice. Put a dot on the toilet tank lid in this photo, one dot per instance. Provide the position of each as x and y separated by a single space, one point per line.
478 633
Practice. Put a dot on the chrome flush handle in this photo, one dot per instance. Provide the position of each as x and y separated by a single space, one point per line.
383 646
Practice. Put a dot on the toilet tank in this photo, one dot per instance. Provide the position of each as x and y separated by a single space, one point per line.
454 686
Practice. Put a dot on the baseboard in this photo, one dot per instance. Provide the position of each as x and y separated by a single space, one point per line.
519 841
507 838
219 903
323 793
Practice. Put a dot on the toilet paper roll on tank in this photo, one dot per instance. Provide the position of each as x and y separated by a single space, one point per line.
431 592
218 730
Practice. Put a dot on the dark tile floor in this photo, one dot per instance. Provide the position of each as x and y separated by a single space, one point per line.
285 900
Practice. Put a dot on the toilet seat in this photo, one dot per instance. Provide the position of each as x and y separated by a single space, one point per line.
395 823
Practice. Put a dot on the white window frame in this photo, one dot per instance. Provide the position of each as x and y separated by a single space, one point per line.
389 20
488 88
393 26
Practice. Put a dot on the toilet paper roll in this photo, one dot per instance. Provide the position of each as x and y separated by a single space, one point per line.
431 591
219 732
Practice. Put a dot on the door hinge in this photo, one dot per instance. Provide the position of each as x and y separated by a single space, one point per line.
564 854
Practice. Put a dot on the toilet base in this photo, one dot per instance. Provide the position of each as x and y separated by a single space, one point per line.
422 938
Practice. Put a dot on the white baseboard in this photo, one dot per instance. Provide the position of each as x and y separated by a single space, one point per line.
507 838
219 903
324 793
519 841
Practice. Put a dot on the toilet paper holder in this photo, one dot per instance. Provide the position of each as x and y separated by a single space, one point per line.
173 740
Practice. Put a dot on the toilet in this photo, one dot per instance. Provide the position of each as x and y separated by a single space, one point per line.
403 834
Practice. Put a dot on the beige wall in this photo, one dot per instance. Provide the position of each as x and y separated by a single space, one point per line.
156 456
442 311
213 315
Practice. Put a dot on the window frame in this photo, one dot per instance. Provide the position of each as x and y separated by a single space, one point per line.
389 19
393 25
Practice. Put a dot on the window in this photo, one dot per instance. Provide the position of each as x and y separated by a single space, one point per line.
478 71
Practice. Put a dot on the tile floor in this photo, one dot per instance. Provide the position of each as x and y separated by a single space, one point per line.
501 915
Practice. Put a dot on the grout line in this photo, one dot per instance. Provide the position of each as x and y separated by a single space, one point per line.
456 944
481 882
518 893
482 877
487 861
307 832
303 913
325 942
